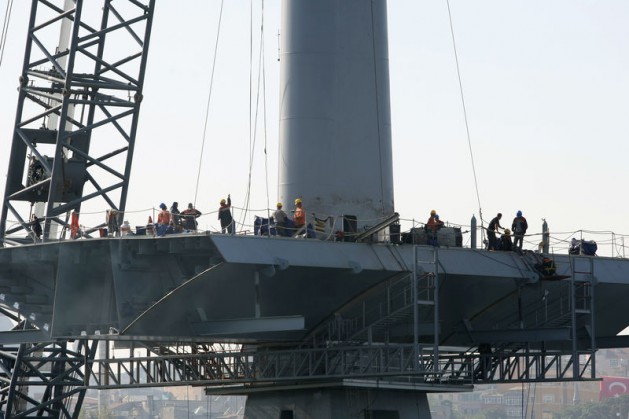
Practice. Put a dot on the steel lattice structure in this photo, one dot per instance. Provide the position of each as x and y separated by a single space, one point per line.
46 379
89 82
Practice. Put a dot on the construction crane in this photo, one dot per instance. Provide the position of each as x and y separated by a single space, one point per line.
77 113
302 322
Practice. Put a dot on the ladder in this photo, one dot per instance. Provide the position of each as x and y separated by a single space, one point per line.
425 291
582 286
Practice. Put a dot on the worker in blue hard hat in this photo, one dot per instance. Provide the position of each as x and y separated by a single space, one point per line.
163 220
519 227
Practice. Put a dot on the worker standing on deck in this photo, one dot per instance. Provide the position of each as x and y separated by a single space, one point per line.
163 220
493 227
225 215
163 217
519 228
431 224
299 215
190 216
282 222
174 211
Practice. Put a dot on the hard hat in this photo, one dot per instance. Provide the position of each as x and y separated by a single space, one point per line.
162 205
507 232
222 201
436 216
519 213
297 201
279 205
433 212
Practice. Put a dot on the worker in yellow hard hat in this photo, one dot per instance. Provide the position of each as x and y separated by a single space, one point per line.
431 224
225 215
299 216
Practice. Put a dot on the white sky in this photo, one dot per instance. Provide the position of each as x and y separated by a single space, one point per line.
546 87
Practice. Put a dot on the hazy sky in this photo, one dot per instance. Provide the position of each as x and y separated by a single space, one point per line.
546 86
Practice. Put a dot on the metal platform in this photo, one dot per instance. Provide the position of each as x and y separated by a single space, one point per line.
257 289
300 312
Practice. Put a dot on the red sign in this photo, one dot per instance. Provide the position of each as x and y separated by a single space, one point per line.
613 386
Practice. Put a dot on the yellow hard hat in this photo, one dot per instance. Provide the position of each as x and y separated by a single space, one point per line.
433 212
279 205
297 201
223 201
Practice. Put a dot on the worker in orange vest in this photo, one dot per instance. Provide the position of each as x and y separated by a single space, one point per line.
299 215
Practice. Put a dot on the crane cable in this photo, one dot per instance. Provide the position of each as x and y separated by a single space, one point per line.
5 29
209 96
266 156
251 128
467 127
253 117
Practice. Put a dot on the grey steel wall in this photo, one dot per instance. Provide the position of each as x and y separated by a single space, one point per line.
335 122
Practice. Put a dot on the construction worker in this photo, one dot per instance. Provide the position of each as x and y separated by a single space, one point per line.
431 224
36 227
505 241
163 220
225 215
190 216
493 227
519 228
299 215
281 220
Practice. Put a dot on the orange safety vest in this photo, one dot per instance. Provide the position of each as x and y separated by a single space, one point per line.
432 224
300 216
163 217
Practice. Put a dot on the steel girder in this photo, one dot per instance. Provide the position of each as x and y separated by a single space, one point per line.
246 369
77 113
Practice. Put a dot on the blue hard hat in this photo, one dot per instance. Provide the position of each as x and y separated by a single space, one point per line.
162 205
519 213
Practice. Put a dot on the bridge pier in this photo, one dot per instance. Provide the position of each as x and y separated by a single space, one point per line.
337 403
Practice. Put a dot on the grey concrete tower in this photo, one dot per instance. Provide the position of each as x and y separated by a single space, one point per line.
335 117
